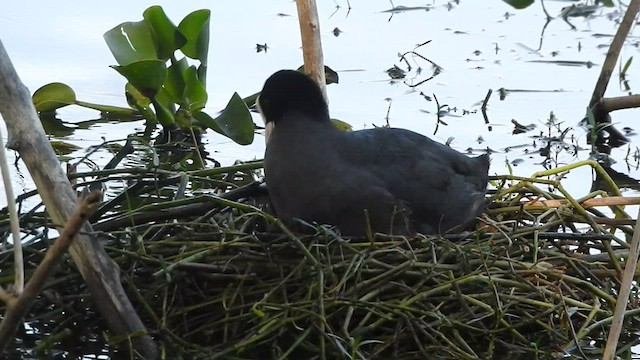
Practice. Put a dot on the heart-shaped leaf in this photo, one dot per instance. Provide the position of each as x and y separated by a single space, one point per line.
53 96
195 28
146 75
138 101
202 74
168 38
234 122
131 42
194 92
175 80
165 99
164 116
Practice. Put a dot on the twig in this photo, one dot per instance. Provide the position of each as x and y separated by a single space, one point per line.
13 218
484 106
607 201
388 111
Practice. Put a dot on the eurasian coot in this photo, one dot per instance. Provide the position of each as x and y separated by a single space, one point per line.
393 181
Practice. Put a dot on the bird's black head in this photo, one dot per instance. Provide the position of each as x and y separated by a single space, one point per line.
289 90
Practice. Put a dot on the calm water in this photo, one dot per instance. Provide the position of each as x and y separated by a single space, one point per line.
480 45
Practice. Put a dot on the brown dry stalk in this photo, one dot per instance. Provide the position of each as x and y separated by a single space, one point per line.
606 201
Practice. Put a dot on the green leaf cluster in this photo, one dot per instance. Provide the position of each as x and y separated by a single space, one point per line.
166 69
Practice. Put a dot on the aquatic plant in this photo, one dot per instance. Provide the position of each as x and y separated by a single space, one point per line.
162 86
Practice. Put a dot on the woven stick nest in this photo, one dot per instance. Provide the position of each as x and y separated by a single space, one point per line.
218 277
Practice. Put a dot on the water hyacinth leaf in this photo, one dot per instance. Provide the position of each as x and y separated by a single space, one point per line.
234 122
165 100
131 42
175 80
207 121
202 74
167 37
135 98
138 101
195 28
108 109
53 126
146 75
64 148
251 100
194 92
184 119
519 4
53 96
164 116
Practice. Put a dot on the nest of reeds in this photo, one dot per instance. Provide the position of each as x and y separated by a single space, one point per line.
215 276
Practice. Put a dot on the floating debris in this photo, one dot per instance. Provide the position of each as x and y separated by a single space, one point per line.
260 47
396 73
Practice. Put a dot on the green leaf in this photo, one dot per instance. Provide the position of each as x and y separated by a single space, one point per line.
208 122
251 99
194 92
184 119
53 96
140 102
165 99
63 148
175 80
135 98
234 122
131 42
202 74
195 27
164 116
108 109
146 75
167 37
519 4
623 73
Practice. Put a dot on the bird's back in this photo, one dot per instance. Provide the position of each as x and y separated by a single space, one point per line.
441 187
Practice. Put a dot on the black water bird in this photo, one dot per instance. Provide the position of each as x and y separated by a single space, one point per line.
389 180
